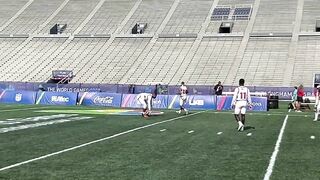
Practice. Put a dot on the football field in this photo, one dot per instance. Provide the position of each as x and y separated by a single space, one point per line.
56 142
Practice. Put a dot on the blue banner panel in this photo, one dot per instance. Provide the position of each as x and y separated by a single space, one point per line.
193 102
18 97
130 100
100 99
57 98
259 103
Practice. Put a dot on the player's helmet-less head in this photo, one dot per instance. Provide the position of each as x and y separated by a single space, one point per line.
241 82
182 83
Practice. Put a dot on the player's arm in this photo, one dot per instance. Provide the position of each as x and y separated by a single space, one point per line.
234 99
249 99
149 99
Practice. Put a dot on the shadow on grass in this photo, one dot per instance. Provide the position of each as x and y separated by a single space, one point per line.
249 127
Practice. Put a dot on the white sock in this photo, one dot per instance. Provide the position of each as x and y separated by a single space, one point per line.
316 116
240 123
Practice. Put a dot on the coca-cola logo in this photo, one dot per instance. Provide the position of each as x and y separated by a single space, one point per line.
103 100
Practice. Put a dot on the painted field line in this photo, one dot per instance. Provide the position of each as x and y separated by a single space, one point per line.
261 114
24 109
96 141
39 124
276 150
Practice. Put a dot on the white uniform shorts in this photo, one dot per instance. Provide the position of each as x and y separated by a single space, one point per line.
240 107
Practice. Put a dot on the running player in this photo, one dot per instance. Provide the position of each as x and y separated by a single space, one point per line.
317 105
183 98
241 99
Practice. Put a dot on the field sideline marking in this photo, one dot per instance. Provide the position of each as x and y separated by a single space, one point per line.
261 114
8 110
96 141
276 150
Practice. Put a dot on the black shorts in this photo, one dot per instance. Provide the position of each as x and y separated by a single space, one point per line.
299 99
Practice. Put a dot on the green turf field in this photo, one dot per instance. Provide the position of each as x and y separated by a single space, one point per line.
50 142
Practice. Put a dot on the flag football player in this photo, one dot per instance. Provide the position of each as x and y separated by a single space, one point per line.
183 91
240 101
145 99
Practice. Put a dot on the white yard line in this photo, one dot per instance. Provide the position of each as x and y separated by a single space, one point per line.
276 150
39 124
24 109
96 141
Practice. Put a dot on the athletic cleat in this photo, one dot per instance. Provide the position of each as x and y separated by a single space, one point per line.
242 128
315 120
187 112
179 112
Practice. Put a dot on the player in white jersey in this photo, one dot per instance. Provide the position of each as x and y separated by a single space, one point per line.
317 104
241 99
145 99
183 91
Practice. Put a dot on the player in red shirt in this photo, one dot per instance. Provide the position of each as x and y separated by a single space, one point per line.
300 95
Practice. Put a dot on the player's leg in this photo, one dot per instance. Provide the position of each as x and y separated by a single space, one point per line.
181 105
184 105
316 114
237 116
243 116
294 105
144 107
149 103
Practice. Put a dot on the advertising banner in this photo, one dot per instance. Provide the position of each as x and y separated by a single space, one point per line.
130 100
57 98
193 102
100 99
259 103
18 97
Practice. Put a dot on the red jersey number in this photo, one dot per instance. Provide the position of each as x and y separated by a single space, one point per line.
243 95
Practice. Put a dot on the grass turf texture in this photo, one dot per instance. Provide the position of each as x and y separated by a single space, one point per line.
153 154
